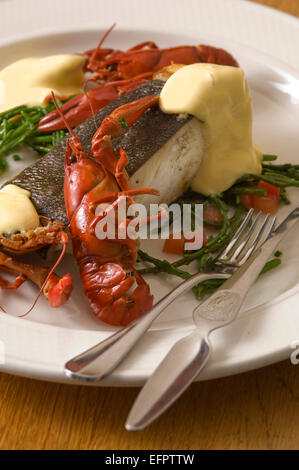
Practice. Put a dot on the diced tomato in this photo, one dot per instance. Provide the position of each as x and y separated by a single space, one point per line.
267 204
270 188
246 200
212 214
175 246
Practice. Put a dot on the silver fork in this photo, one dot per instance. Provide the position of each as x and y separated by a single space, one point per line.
100 360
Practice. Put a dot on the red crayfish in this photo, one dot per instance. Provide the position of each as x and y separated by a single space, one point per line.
120 72
56 290
106 266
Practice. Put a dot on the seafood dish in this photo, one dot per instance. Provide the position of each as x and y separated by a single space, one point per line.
148 125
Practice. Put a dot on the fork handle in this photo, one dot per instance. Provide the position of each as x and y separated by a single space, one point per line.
97 362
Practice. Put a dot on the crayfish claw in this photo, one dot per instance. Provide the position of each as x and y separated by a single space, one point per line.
19 280
58 291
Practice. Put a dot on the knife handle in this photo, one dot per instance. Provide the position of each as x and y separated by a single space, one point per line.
97 362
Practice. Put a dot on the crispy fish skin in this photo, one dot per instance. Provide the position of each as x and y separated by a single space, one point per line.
45 178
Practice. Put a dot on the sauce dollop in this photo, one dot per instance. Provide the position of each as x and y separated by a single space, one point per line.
29 81
218 96
17 213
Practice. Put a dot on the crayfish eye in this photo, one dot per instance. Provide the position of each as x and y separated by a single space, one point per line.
111 67
73 159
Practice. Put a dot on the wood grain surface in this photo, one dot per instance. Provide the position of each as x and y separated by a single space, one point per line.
256 410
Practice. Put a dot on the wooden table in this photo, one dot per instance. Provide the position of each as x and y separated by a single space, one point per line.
256 410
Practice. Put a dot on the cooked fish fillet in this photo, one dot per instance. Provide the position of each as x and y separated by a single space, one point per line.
173 166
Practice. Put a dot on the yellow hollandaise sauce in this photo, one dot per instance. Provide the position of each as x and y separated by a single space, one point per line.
29 81
17 213
219 97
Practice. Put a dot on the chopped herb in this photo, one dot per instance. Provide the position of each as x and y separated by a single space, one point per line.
283 197
207 287
278 254
271 265
16 158
269 158
123 123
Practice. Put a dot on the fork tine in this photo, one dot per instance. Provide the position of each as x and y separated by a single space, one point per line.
224 256
245 240
257 238
271 228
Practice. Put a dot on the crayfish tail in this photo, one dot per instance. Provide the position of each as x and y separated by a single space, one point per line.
128 308
107 288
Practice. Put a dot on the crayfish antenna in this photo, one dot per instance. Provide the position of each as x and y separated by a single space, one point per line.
90 103
101 42
72 133
64 242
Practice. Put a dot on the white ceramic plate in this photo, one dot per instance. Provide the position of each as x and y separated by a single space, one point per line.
266 43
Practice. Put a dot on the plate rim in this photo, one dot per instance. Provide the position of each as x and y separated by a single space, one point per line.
268 10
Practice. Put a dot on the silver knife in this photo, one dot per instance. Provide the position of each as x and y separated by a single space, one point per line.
190 355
